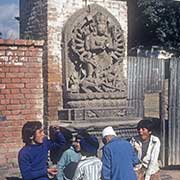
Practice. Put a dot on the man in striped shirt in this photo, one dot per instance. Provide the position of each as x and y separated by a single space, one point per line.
89 167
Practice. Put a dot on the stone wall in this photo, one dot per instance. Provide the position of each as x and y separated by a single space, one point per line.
33 19
48 25
21 96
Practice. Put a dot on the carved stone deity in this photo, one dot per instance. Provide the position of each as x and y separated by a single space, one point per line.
95 50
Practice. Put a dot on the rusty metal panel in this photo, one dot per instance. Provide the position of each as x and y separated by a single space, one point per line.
174 113
144 75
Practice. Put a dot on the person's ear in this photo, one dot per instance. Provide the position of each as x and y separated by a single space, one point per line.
150 132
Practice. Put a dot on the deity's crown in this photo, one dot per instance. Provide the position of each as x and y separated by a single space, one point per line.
100 18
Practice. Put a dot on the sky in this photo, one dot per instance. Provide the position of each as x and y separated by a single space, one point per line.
9 26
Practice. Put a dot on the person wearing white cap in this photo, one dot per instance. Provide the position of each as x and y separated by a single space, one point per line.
118 158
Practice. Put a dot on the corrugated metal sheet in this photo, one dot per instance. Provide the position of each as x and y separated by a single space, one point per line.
144 75
174 113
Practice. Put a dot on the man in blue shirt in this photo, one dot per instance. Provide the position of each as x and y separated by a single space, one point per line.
33 157
118 158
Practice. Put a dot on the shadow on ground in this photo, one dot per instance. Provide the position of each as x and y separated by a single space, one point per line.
13 178
177 167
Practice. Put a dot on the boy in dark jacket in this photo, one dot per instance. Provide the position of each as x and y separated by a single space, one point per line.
33 156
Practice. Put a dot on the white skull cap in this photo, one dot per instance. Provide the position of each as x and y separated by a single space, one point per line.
108 131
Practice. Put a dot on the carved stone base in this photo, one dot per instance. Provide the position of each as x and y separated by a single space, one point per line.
93 114
94 100
124 127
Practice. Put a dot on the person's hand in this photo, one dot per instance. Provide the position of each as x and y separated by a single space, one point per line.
52 171
52 131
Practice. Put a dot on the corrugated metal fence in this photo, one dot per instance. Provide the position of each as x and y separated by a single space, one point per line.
144 75
174 113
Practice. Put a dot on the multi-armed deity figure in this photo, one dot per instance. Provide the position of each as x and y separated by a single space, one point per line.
100 50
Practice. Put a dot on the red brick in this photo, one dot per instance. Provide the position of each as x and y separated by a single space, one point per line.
2 41
32 75
2 86
2 53
3 140
2 107
34 65
4 101
25 80
4 69
5 91
6 112
23 69
35 70
10 155
16 112
2 160
6 80
20 42
3 47
16 80
15 69
26 111
26 91
14 101
9 42
15 117
9 53
14 75
30 117
2 75
21 53
12 86
1 96
23 101
34 86
30 96
15 107
15 91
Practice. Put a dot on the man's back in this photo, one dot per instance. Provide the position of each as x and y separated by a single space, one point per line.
88 169
118 160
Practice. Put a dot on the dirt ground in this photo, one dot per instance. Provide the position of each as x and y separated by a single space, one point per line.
170 174
166 174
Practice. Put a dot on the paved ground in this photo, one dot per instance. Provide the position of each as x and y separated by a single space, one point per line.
170 175
166 174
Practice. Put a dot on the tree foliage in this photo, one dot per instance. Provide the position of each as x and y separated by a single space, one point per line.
160 21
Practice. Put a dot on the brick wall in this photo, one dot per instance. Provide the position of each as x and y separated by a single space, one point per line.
21 95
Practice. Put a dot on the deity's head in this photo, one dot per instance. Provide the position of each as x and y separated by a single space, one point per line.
101 21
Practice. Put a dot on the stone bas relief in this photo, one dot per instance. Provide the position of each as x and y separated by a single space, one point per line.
94 54
99 50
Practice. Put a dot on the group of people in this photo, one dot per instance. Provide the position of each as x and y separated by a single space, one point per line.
134 159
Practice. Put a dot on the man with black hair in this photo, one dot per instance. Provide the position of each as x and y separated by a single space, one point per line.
33 157
148 148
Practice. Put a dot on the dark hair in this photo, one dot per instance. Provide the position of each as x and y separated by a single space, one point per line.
148 124
29 129
81 133
89 146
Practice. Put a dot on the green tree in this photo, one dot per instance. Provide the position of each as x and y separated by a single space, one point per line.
159 20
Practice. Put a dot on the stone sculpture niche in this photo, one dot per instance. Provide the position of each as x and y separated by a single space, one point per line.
93 52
